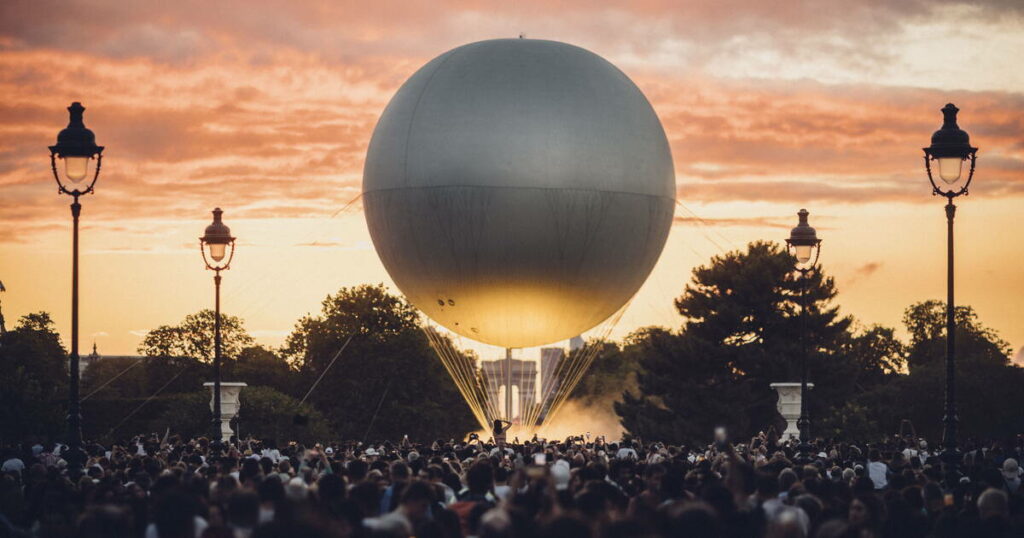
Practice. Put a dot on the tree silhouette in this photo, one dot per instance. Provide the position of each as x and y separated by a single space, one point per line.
388 364
33 388
744 329
194 337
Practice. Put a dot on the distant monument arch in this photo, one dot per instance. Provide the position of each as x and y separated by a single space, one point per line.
523 384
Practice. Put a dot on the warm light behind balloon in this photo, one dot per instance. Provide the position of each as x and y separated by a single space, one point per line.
540 388
523 267
519 191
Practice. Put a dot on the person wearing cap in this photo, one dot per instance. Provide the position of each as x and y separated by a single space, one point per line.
1011 475
922 452
12 463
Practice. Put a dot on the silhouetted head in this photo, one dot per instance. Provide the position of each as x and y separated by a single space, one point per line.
993 503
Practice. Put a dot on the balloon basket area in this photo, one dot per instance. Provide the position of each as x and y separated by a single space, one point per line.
526 387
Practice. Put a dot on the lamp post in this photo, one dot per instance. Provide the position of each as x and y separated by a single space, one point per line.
217 241
950 147
3 328
804 245
76 147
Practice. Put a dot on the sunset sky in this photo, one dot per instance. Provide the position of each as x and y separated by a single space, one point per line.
265 108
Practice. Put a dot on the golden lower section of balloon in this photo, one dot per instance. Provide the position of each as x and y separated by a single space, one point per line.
517 267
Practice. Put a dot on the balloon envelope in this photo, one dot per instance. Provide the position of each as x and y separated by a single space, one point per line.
519 191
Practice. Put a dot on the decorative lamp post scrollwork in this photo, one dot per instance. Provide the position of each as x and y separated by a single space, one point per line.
215 245
950 149
803 243
76 149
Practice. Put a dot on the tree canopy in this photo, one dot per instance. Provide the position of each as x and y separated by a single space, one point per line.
988 385
748 320
194 337
976 344
744 327
387 382
33 391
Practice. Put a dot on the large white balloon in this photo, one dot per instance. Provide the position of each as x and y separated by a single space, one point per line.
519 191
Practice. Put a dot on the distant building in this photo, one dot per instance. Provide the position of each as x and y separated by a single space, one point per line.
550 359
524 384
94 357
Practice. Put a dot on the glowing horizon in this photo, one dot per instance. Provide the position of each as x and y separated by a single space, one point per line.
267 113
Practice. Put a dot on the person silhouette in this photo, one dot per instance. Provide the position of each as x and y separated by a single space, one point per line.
500 429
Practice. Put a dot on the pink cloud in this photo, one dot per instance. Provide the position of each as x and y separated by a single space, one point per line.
272 108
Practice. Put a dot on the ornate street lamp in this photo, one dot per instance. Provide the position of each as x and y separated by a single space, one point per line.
3 328
951 147
218 244
804 245
76 148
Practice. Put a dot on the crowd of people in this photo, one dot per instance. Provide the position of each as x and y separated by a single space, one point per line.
155 486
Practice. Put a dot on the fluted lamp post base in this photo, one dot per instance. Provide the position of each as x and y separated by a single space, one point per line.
789 406
229 404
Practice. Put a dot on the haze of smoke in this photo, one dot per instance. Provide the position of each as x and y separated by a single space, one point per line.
574 418
577 418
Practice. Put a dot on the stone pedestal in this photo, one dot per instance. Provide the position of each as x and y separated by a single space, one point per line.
789 406
229 404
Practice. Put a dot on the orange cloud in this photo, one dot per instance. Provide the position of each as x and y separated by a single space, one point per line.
761 222
266 107
271 108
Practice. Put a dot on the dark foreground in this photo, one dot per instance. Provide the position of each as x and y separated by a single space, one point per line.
174 488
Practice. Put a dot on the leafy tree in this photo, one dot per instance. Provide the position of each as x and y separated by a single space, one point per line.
975 343
989 398
40 323
686 389
188 415
746 326
194 337
114 377
33 390
853 421
267 414
613 370
130 396
871 362
259 366
139 378
169 375
388 370
878 353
